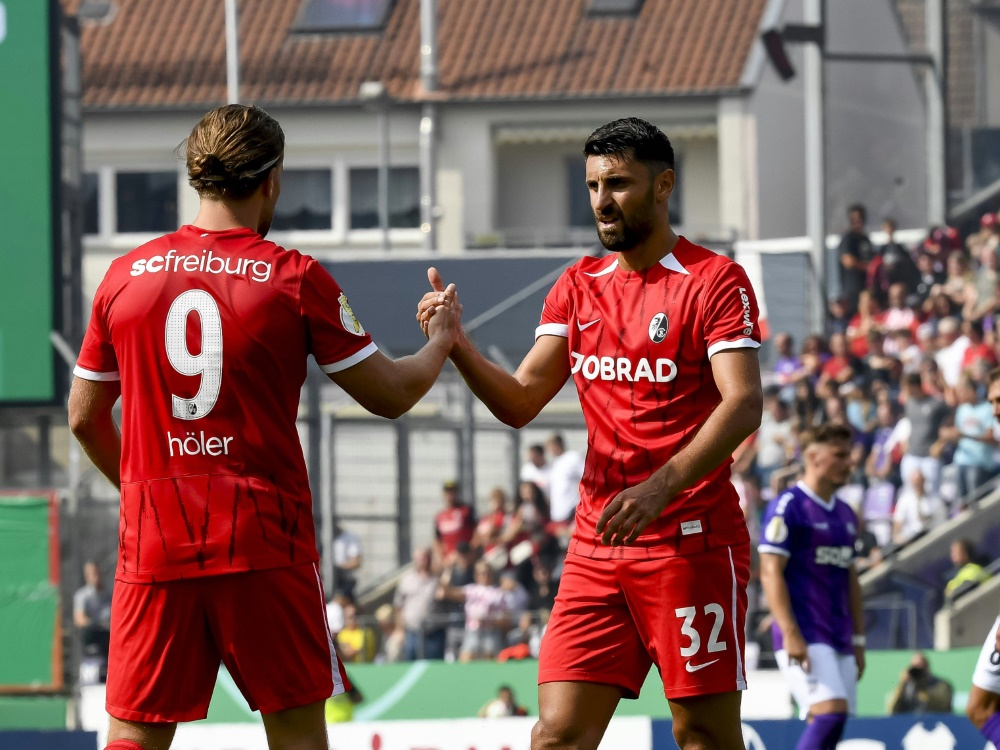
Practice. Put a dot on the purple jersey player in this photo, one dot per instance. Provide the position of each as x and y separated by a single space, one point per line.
807 569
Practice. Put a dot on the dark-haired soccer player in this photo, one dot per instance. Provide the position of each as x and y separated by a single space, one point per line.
661 340
983 708
808 574
204 333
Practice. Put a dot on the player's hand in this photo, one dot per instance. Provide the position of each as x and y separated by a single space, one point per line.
445 317
625 517
796 648
859 660
431 301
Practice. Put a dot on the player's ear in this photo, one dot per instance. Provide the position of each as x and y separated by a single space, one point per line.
663 184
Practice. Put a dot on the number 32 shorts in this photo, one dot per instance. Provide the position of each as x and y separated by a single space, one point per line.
614 618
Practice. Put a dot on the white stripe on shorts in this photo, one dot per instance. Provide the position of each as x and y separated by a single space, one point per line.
741 682
338 683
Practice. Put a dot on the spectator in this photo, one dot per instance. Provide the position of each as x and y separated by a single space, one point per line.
356 642
880 464
982 297
973 432
455 524
855 254
979 357
966 573
805 408
841 367
774 441
959 285
392 635
867 553
543 590
335 610
564 480
340 708
787 365
899 315
906 350
926 417
893 265
929 281
92 613
987 240
952 344
916 510
839 319
503 705
485 613
415 599
536 469
868 318
919 691
489 531
530 531
346 559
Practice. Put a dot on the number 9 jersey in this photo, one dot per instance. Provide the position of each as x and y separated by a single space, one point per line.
209 333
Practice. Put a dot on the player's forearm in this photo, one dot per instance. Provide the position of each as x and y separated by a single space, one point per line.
500 391
726 428
856 603
778 599
414 375
102 442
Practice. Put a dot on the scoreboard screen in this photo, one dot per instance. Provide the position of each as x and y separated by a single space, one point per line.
29 204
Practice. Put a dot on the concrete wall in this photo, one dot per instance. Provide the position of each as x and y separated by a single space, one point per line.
875 127
990 68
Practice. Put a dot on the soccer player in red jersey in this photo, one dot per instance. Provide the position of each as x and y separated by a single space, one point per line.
204 333
661 341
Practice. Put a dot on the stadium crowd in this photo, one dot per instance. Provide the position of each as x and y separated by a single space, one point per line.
913 337
484 589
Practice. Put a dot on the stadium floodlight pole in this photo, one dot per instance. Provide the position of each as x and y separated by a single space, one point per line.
814 12
936 87
232 53
428 124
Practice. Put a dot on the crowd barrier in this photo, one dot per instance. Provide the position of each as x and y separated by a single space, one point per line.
932 732
23 740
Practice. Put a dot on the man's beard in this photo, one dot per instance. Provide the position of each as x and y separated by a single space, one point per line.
624 237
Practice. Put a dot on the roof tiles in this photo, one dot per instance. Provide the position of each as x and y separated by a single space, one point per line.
157 55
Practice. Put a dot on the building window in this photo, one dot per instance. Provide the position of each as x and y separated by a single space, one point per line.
91 205
146 201
580 212
404 198
344 15
306 200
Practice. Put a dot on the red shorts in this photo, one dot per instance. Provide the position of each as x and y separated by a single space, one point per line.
614 618
268 627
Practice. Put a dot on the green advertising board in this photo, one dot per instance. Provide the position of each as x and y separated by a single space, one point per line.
29 155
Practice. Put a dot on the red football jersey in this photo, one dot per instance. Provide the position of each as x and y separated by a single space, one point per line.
639 347
209 334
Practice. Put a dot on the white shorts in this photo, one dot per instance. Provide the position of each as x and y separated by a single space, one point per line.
831 676
987 674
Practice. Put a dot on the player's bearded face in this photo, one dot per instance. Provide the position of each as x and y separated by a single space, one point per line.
623 200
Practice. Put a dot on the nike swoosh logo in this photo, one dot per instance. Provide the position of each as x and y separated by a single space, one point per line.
694 668
584 326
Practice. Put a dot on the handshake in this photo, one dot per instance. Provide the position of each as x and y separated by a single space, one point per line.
439 312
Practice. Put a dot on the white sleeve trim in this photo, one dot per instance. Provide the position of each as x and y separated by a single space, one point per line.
99 376
773 550
552 329
343 364
719 346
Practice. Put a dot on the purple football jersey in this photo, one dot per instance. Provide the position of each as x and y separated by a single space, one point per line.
818 539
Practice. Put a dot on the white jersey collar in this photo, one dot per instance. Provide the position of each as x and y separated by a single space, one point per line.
816 498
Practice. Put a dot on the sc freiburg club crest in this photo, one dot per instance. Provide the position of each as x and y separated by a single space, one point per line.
658 328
